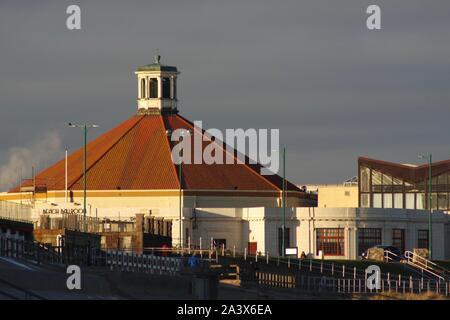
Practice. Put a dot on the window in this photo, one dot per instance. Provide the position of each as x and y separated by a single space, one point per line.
330 241
166 88
347 193
153 88
142 88
365 200
442 201
387 180
398 200
280 239
420 201
174 88
368 238
387 198
365 179
398 239
377 200
376 178
433 201
410 201
422 239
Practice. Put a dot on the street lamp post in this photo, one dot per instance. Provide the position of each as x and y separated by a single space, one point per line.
430 225
84 127
183 133
283 228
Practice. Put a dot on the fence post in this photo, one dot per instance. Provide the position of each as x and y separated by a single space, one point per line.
321 266
354 272
332 268
389 281
189 245
256 256
343 271
234 251
267 257
410 284
310 265
223 249
245 253
289 262
365 281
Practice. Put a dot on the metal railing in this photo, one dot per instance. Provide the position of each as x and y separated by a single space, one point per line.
347 285
15 211
131 262
427 266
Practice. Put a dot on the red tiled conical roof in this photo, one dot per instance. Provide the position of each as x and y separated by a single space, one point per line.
136 155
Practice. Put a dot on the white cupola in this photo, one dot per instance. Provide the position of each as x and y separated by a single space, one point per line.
157 88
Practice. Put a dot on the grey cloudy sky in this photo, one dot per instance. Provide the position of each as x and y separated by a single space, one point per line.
310 68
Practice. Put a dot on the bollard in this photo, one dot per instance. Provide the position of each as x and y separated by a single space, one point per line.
256 257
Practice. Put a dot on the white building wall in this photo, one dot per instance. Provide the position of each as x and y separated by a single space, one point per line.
261 225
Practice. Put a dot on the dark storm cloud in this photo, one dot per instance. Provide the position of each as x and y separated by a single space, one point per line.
311 68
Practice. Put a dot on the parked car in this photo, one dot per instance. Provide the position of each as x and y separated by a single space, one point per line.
396 256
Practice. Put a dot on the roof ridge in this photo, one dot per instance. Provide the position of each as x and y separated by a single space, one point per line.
170 152
247 166
106 151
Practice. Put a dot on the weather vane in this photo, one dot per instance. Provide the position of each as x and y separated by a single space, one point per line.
157 57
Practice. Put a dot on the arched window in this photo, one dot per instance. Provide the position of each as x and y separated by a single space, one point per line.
142 88
174 93
166 88
153 88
